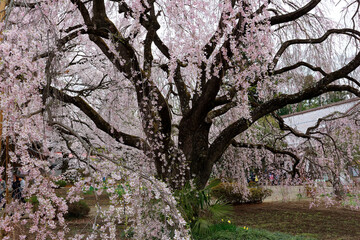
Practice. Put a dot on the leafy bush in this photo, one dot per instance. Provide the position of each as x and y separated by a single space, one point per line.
78 209
89 191
198 209
225 231
258 194
227 191
120 190
34 201
61 183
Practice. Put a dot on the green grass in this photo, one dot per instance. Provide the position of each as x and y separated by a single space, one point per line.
61 183
225 231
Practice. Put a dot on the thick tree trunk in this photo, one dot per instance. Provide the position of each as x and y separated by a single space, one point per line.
194 143
339 190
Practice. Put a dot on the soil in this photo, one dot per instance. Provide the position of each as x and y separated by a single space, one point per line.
298 219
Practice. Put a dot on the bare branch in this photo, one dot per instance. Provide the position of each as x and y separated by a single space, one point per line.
26 4
271 149
299 64
121 137
226 98
294 15
285 45
218 112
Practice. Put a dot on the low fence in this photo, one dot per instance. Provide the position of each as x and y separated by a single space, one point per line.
289 193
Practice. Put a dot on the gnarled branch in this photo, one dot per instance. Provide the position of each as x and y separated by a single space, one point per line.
100 122
294 15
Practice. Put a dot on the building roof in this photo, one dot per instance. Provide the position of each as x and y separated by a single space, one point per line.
326 106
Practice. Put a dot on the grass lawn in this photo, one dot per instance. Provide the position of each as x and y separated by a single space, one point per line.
225 231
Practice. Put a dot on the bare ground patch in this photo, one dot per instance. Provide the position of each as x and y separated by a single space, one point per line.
298 219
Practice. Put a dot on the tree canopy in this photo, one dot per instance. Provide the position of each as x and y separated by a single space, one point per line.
169 88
